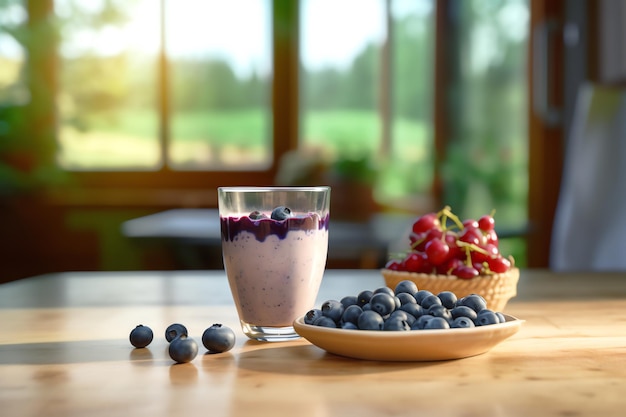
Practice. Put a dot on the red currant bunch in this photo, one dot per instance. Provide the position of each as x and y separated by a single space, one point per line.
440 243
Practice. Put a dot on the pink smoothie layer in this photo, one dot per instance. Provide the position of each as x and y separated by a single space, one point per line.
274 267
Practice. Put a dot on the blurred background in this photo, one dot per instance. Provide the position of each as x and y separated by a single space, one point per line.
112 110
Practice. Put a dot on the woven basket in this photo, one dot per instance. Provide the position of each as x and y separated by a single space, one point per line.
496 289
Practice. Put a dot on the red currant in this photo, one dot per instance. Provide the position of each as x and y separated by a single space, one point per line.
486 223
499 264
479 256
471 236
416 262
425 223
437 251
492 237
451 239
394 265
432 234
449 265
465 272
470 224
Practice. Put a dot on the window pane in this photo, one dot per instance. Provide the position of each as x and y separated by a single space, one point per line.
13 88
409 171
220 70
16 159
487 160
367 92
340 54
108 84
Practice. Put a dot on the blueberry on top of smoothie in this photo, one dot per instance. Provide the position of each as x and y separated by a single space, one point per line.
257 215
281 213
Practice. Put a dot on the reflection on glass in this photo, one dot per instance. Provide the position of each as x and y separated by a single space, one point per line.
108 76
220 68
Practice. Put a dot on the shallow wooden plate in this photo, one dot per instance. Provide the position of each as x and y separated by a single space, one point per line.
414 345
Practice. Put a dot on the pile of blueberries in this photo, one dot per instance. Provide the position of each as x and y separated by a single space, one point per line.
182 348
404 308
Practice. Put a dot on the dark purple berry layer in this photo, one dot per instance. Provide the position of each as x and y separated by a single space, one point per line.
262 228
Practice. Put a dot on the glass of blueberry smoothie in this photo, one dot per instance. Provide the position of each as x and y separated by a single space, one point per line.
274 245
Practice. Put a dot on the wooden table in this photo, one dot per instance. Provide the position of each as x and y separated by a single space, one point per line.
64 351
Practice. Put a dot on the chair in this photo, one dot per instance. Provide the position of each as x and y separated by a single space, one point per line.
589 231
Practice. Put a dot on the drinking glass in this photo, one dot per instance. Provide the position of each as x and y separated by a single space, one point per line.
274 246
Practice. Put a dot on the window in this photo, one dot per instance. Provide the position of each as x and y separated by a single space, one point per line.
219 85
205 106
13 88
14 96
367 88
195 93
107 99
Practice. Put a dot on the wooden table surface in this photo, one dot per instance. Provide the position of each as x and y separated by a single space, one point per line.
64 351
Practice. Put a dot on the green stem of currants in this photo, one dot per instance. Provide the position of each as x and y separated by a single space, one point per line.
446 213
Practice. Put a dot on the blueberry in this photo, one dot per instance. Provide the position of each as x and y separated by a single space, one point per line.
351 314
409 318
257 215
325 322
448 299
396 323
349 300
486 317
430 300
415 310
141 336
501 317
349 326
366 306
383 303
312 315
218 338
436 323
370 320
406 286
183 349
364 297
405 298
175 330
440 311
463 311
281 213
421 294
462 322
384 290
333 309
473 301
421 321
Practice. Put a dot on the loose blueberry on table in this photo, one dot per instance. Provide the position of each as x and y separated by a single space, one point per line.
141 336
175 330
183 349
218 338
